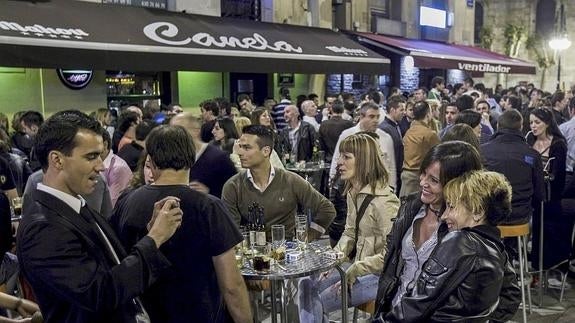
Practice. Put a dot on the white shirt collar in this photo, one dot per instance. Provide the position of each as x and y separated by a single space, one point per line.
75 202
251 178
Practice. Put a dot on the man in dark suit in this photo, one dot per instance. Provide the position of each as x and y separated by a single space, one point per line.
68 253
330 130
98 200
395 113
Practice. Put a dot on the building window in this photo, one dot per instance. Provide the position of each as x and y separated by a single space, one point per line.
241 9
478 22
545 19
381 7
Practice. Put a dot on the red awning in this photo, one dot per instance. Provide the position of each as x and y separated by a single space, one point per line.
430 54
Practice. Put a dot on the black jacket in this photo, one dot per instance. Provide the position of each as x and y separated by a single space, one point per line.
307 139
71 270
508 153
329 131
558 150
19 168
454 269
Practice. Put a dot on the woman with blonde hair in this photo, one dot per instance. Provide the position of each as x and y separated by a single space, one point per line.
241 122
104 117
371 206
468 275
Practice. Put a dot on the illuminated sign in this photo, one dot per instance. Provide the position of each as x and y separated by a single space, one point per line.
432 17
75 79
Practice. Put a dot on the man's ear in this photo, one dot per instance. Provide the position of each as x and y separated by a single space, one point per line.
267 150
56 159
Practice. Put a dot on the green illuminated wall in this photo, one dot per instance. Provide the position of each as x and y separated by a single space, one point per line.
301 86
195 87
41 90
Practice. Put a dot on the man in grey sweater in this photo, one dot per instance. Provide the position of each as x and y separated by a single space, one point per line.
279 192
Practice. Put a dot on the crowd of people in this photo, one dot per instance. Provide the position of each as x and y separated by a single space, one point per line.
133 215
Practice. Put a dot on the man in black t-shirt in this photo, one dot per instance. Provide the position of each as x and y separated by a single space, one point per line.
204 278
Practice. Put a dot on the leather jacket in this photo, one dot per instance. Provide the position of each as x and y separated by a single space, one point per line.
393 263
307 139
468 278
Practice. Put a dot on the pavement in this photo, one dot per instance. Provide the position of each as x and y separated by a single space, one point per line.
551 311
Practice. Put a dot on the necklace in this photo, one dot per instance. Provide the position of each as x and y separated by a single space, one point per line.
436 212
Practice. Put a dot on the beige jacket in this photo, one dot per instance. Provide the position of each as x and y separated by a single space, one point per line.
373 230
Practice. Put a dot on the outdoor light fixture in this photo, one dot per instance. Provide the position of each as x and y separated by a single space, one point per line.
560 43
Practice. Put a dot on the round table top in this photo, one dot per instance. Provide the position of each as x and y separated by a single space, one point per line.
307 168
312 261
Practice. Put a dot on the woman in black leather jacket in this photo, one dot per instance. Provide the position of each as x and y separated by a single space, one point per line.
418 214
468 276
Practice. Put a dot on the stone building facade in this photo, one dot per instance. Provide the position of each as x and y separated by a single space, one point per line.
499 13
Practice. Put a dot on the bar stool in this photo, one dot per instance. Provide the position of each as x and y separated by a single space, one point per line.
368 307
521 231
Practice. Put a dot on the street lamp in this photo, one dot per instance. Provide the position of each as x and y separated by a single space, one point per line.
560 42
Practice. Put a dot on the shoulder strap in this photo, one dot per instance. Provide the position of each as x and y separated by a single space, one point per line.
360 214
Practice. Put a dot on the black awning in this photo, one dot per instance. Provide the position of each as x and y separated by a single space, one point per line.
76 34
429 54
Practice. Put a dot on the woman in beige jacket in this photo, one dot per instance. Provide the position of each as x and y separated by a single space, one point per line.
362 167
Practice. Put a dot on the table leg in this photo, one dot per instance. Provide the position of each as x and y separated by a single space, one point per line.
343 294
284 300
541 279
273 290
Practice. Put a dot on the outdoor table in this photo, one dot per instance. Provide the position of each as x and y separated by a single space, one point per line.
312 262
310 168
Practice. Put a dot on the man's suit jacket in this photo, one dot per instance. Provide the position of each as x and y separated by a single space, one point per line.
99 200
71 269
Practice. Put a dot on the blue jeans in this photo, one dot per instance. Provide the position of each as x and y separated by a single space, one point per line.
312 308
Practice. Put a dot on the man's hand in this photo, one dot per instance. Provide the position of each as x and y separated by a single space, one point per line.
166 219
200 187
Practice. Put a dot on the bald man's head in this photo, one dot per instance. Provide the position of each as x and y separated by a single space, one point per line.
190 122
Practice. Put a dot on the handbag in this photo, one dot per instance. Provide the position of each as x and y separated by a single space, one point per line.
360 214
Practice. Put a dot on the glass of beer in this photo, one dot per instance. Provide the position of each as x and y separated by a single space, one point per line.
17 207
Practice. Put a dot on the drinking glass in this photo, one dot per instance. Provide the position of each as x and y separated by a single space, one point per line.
246 241
301 225
278 235
17 206
321 158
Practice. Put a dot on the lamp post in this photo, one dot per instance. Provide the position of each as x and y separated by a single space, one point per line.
560 42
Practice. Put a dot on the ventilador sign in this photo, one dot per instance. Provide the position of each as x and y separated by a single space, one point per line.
488 68
166 33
